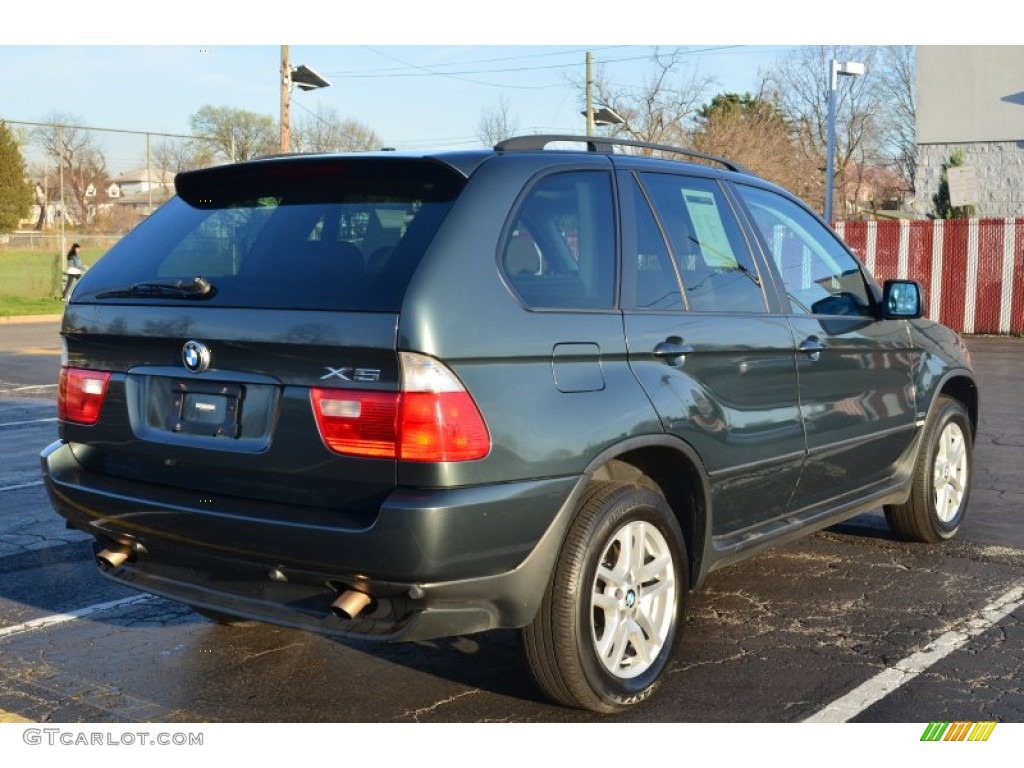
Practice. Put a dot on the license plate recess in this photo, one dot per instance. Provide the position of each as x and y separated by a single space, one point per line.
205 408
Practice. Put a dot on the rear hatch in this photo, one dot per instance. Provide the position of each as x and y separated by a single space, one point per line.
196 347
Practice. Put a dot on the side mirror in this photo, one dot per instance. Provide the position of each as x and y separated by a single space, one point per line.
901 299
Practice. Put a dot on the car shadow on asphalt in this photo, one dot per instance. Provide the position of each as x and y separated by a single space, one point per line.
489 661
869 525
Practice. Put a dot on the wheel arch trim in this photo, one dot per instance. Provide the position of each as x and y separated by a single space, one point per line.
960 384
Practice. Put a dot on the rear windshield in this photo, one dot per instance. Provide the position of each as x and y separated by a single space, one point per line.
310 233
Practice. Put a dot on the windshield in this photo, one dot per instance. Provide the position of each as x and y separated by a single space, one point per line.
329 235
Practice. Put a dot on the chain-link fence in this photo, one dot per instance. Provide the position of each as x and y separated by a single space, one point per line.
86 182
32 265
104 179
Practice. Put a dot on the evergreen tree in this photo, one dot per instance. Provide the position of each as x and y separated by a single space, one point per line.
944 209
15 192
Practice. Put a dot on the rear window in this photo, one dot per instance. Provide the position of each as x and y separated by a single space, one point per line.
560 251
316 233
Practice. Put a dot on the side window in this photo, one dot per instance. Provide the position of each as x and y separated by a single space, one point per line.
560 252
657 285
820 276
716 268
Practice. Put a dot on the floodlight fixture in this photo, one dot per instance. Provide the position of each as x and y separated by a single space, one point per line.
307 79
606 116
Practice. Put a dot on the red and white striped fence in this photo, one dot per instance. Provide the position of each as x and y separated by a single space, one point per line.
972 270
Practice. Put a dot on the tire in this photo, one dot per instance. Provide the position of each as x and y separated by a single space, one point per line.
224 619
941 484
605 632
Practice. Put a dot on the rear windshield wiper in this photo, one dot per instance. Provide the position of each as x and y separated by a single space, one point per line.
196 288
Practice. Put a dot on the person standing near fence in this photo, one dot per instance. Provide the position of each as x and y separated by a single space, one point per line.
74 271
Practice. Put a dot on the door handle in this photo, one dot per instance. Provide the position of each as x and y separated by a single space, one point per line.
673 351
812 347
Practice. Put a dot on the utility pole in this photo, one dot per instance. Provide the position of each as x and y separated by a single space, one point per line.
590 99
302 77
286 88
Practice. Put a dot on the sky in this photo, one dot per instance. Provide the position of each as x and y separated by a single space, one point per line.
420 74
413 97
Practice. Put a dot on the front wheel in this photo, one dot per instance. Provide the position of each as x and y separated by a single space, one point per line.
942 478
611 617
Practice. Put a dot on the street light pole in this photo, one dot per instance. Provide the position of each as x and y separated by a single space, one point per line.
836 68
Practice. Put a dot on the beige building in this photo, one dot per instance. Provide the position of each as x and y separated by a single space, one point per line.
971 97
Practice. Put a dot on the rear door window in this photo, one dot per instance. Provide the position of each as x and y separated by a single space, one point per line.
657 284
716 267
336 234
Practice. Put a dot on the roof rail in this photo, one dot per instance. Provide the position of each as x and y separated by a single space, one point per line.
605 145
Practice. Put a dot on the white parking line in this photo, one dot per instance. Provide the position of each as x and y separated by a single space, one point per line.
61 618
881 685
33 484
27 387
30 421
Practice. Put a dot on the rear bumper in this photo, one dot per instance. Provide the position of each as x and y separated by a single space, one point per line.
437 562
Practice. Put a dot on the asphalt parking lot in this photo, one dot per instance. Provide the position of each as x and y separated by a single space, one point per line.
845 625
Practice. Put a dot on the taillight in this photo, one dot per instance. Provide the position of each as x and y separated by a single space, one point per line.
432 418
80 394
438 420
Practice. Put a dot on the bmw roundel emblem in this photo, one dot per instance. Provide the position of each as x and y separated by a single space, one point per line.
196 356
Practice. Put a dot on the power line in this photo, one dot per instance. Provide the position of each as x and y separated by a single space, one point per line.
427 72
432 71
567 52
309 112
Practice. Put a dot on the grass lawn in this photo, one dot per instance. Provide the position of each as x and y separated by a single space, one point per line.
13 306
30 280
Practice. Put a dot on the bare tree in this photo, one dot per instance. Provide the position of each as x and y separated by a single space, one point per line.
801 80
896 74
239 132
662 109
76 151
496 124
177 155
327 131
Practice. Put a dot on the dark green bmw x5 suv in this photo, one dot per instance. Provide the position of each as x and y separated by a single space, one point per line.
410 396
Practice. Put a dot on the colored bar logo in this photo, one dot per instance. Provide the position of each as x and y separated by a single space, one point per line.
958 731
